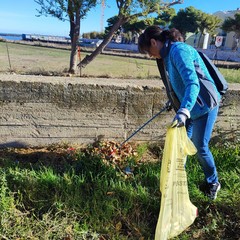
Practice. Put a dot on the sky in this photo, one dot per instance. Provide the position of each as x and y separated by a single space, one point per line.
19 16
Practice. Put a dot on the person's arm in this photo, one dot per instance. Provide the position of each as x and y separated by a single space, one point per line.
184 63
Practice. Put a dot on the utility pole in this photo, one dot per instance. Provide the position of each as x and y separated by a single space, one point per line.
102 14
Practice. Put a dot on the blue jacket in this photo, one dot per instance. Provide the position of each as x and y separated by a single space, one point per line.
185 67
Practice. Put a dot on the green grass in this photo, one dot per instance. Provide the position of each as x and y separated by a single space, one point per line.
26 59
231 75
81 197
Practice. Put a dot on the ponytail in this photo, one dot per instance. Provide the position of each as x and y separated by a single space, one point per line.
155 32
175 35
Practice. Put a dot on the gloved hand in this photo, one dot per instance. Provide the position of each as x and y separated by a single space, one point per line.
180 118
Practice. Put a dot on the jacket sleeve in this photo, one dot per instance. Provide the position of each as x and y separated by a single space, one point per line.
183 60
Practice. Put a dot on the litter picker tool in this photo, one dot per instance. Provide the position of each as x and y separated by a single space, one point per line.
165 108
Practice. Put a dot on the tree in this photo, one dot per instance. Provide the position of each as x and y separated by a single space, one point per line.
111 21
214 23
72 11
137 24
186 20
193 20
207 23
165 17
233 25
128 9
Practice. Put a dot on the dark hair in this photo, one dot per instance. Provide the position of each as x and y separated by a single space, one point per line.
155 32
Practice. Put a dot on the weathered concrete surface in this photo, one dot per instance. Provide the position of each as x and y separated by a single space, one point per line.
37 110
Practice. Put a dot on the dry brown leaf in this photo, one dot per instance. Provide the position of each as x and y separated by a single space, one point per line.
118 226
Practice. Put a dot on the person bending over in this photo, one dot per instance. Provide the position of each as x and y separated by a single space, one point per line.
195 90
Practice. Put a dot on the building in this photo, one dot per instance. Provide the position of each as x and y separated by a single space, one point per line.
230 40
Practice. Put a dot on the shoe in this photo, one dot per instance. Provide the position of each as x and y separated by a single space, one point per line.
210 189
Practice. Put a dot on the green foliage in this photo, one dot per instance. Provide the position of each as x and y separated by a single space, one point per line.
137 25
137 17
165 17
232 24
81 197
6 197
186 20
93 35
193 20
64 8
207 23
137 7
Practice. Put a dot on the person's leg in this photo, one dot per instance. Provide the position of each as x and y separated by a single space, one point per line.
201 135
189 127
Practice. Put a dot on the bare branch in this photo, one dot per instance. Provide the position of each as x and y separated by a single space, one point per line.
173 2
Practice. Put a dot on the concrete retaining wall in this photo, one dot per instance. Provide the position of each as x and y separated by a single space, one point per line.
37 110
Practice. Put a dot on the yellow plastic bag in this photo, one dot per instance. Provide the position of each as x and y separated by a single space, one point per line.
176 212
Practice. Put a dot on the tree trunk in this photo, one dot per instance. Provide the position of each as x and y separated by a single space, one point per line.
73 55
236 40
199 39
100 48
74 35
